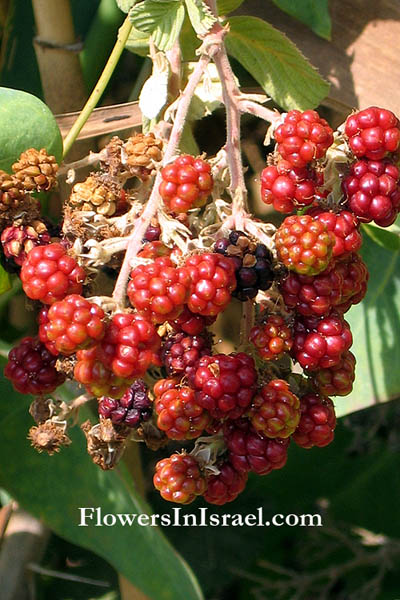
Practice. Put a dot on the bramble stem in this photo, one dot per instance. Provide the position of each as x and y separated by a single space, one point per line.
230 95
143 221
105 77
262 112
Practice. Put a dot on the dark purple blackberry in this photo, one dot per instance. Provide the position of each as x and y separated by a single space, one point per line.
153 232
180 353
132 409
253 260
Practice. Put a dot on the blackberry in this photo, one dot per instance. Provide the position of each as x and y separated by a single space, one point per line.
180 353
253 264
132 409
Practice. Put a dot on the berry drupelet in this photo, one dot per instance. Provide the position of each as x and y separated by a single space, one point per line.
31 368
253 264
131 410
179 478
317 422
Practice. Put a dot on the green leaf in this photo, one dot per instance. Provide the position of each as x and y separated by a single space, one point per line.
275 62
375 325
5 283
138 42
200 16
53 488
161 20
227 6
387 239
314 13
125 5
26 122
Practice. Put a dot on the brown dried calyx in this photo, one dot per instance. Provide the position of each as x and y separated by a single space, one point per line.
11 191
41 409
105 444
143 150
49 437
95 194
36 171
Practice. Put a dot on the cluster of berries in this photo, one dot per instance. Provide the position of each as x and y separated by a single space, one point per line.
244 415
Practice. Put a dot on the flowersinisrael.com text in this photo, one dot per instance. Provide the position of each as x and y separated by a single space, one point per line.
93 517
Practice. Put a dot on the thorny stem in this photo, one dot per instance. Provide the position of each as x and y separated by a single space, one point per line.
143 221
112 62
230 95
262 112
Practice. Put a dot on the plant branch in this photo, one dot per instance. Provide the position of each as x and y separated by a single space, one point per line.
143 221
95 96
262 112
230 96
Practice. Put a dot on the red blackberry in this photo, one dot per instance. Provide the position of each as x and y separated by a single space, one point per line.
372 132
252 451
303 137
31 368
345 227
18 241
355 275
71 324
253 264
287 187
191 323
304 244
272 338
317 422
131 410
48 274
186 183
130 346
179 478
225 385
338 380
372 190
316 295
179 415
213 281
181 353
97 378
226 486
321 342
275 410
159 290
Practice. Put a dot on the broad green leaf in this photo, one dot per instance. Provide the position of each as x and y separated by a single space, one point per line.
162 20
25 122
125 5
227 6
275 62
53 488
387 239
138 42
5 283
314 13
200 16
375 325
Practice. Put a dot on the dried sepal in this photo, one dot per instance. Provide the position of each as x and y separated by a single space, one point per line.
49 437
105 443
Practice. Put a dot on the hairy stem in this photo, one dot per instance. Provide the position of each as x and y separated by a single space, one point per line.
231 95
95 96
143 221
262 112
